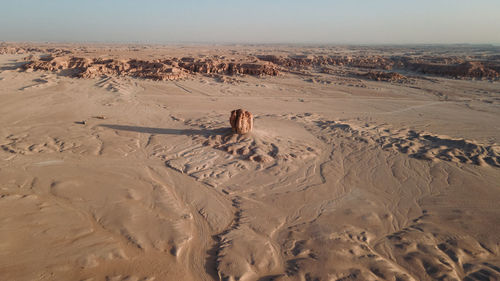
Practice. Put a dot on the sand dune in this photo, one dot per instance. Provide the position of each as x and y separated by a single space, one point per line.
342 178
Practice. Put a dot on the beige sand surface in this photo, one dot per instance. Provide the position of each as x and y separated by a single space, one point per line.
384 181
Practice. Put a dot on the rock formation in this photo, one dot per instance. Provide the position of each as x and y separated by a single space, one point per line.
384 76
167 69
374 64
91 68
454 67
468 69
241 121
218 66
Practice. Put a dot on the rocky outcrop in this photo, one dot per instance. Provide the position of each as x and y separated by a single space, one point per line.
241 121
317 61
15 50
438 66
208 66
50 63
384 76
91 68
168 69
467 69
376 63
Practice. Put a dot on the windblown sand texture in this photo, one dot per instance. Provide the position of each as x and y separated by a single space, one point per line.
364 163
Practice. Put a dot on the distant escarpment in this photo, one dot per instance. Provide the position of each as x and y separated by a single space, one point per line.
213 65
311 60
371 64
384 76
91 68
16 50
167 69
455 67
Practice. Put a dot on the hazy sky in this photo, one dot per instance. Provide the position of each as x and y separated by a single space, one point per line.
262 21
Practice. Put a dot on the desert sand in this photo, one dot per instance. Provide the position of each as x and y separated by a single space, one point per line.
364 163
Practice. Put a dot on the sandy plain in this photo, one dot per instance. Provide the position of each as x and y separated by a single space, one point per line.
343 178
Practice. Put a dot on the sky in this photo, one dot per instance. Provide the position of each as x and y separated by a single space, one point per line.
252 21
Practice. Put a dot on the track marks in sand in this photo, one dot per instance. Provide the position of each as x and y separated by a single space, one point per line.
45 81
166 201
36 221
211 154
124 278
135 209
73 139
431 147
207 152
419 145
242 252
20 144
36 140
350 251
215 256
431 253
258 149
214 155
123 86
154 219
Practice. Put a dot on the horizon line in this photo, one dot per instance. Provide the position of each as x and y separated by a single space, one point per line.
251 43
